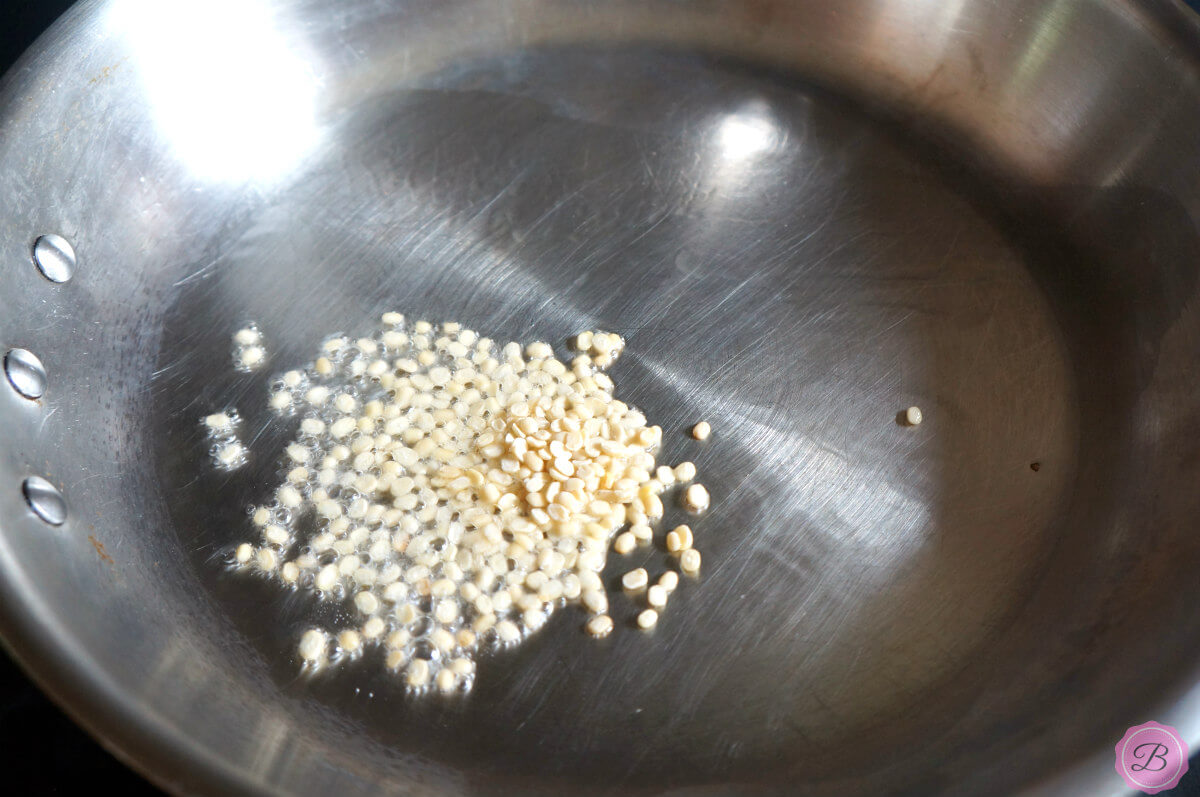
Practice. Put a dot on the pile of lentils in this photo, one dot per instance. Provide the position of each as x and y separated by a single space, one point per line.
461 491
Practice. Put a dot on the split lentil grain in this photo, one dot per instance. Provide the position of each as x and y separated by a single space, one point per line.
679 539
695 498
625 542
313 645
635 579
600 626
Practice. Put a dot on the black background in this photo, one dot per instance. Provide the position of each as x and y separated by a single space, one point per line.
41 750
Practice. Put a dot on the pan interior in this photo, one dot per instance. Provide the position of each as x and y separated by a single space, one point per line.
783 265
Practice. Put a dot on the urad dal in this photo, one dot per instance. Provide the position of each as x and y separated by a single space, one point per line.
461 491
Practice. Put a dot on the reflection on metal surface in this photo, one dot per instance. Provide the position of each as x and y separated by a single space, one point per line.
241 110
745 134
1048 26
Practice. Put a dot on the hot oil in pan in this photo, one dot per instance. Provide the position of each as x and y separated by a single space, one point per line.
778 267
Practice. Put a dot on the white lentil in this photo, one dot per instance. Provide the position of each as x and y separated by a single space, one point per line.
679 539
695 498
350 642
913 416
219 422
288 496
418 673
669 581
595 601
252 357
247 336
533 619
313 645
442 639
373 628
635 579
491 480
366 603
685 472
317 396
446 611
600 626
647 619
276 535
507 631
689 561
231 454
701 431
624 543
326 578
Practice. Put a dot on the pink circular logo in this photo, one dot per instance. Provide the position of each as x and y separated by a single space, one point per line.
1152 757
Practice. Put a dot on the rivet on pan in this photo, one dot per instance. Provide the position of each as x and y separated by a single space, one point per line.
55 257
25 373
45 500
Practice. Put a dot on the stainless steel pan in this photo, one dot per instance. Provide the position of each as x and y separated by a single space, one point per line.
804 216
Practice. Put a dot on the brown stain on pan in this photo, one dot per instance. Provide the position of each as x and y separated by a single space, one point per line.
99 546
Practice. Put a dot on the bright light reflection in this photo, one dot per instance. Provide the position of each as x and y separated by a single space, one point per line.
234 101
744 135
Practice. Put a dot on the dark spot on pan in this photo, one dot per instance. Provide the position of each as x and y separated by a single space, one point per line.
99 546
